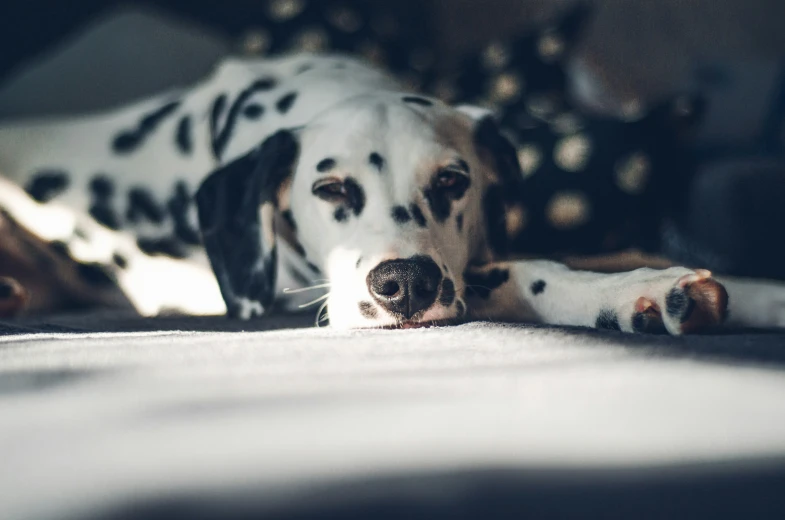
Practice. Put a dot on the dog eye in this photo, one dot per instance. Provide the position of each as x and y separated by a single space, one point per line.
331 189
449 178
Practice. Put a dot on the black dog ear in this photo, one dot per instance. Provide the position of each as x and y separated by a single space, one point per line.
494 148
505 178
236 206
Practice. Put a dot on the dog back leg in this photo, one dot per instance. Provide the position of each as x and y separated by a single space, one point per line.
106 258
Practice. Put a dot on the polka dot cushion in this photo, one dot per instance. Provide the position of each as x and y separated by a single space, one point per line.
600 184
591 184
368 29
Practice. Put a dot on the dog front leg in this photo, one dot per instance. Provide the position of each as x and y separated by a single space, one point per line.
675 300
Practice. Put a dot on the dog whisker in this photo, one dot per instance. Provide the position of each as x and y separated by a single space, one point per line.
317 300
319 317
287 290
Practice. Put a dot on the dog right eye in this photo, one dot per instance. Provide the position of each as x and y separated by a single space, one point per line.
330 189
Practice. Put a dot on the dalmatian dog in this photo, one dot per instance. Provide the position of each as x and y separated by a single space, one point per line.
278 183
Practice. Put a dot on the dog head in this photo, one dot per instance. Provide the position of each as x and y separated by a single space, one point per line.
390 196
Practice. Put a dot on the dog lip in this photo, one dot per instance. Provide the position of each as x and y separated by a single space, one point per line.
409 324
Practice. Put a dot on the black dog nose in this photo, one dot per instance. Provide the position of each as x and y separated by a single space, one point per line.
405 287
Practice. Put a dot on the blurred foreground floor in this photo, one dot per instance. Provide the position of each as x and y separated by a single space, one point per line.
192 418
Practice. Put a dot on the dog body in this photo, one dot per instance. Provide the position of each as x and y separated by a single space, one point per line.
288 173
121 185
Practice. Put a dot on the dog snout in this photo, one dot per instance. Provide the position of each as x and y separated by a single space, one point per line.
405 286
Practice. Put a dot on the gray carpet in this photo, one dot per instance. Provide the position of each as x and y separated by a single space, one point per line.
105 416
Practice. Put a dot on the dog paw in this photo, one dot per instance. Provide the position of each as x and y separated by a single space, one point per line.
694 302
13 297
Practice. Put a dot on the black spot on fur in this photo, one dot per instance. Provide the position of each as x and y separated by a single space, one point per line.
460 307
376 160
46 185
253 111
440 198
104 214
678 304
119 260
142 204
264 84
303 68
418 216
359 261
79 232
481 284
538 287
367 310
285 103
416 100
675 301
447 295
128 141
102 187
325 165
355 195
639 322
340 214
216 112
167 246
220 138
289 218
102 191
607 320
183 136
650 324
400 215
95 274
179 205
299 249
439 204
459 222
313 268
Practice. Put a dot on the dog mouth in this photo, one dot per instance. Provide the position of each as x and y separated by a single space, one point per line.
423 324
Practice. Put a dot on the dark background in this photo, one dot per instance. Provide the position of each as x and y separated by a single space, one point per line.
642 46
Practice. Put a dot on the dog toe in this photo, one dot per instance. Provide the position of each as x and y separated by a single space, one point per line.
696 302
647 317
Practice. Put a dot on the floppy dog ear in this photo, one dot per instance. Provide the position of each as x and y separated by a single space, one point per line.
504 184
236 206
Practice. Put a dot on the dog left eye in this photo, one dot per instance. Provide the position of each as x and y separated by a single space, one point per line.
331 190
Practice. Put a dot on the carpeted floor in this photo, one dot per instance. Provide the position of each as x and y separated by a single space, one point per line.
106 416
